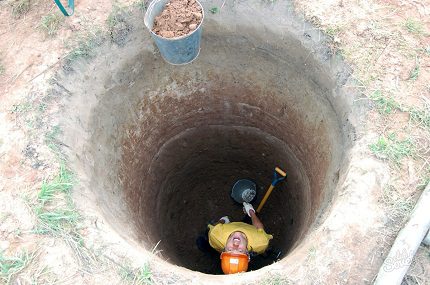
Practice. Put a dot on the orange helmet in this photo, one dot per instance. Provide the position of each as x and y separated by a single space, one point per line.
234 262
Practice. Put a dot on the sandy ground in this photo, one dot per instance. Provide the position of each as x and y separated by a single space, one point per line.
386 42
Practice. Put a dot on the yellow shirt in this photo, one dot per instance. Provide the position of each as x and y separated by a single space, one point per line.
258 239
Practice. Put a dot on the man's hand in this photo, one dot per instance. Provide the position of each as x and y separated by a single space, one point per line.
251 212
247 208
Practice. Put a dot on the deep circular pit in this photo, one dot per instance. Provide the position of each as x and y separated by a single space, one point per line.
170 142
194 158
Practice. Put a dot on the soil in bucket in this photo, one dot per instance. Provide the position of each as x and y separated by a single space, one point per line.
179 18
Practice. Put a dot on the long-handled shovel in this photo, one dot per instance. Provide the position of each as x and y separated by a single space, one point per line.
278 176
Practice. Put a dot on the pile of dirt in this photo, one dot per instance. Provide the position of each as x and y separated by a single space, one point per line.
179 18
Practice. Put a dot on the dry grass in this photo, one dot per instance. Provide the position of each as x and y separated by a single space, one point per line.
414 26
11 266
20 8
83 46
118 25
415 72
136 276
274 279
421 116
398 205
57 216
50 24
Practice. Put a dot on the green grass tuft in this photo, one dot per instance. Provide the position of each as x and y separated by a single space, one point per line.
118 25
51 23
420 117
59 216
21 108
57 222
144 275
83 47
414 26
332 31
139 276
424 181
274 279
415 72
2 68
116 16
214 10
12 265
126 273
42 107
141 5
20 8
385 105
51 139
392 149
63 183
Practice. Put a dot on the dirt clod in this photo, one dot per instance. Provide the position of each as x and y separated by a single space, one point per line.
179 18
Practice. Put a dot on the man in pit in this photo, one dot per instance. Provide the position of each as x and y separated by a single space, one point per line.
236 241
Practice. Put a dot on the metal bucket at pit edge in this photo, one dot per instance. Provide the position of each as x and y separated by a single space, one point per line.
180 50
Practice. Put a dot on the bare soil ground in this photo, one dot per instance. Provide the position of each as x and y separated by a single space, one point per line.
386 42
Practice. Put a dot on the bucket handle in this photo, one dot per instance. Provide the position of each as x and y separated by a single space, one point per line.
71 6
